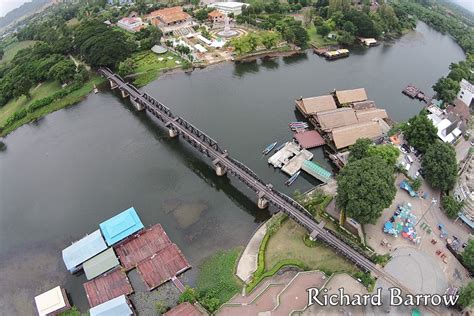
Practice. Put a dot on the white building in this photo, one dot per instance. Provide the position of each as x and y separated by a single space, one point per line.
131 24
466 93
229 7
448 130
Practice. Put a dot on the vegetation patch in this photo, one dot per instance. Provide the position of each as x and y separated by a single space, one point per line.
11 50
216 282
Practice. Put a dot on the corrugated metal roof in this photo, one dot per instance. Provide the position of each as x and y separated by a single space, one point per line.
101 263
316 171
115 307
184 309
83 250
121 226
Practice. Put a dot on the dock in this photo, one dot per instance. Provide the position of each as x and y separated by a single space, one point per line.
142 246
283 156
163 266
294 165
316 171
414 93
108 286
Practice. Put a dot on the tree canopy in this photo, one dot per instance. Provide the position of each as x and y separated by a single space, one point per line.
365 188
451 206
420 132
102 46
466 295
440 166
364 148
468 255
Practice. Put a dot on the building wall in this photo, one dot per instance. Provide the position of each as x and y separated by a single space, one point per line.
465 94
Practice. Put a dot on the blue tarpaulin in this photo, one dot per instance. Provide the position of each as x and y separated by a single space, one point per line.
121 226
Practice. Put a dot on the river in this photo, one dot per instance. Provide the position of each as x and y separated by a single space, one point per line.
63 175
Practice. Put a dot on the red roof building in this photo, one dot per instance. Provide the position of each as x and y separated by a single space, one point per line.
168 16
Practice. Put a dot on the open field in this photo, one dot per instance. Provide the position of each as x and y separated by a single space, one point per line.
149 65
70 99
11 50
38 92
287 243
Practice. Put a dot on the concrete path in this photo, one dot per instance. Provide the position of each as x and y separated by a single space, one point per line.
249 259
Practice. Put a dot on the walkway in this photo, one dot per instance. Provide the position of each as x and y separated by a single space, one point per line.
249 260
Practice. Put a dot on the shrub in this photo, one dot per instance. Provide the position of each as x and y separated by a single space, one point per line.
189 295
451 206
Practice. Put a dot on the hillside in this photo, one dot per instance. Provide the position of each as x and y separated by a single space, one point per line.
26 9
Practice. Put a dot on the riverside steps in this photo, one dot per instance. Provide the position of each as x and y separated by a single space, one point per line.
265 192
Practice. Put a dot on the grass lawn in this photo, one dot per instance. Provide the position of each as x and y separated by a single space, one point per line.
11 50
287 243
217 274
37 93
70 99
317 39
149 66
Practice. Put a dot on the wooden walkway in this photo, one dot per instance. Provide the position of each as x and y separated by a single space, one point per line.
163 266
107 287
142 246
178 284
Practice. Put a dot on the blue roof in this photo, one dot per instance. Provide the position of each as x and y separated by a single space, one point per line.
121 226
83 249
115 307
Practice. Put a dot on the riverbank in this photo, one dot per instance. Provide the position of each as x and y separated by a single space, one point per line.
73 97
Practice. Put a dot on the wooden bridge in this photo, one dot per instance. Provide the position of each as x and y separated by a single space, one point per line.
224 163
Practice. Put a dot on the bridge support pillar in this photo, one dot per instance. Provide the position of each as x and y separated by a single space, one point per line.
137 105
262 203
172 133
220 171
113 85
124 94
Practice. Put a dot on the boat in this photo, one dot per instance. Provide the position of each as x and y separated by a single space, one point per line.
269 148
280 147
292 179
298 124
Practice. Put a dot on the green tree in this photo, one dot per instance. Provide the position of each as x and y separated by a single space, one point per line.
364 188
468 255
446 89
451 206
387 153
126 67
420 132
324 30
440 167
1 53
349 27
22 87
269 39
318 21
201 15
360 148
63 71
466 295
345 38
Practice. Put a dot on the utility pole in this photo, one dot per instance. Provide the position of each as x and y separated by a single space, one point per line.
433 202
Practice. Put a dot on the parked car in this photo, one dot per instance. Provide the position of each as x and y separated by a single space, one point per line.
406 148
421 172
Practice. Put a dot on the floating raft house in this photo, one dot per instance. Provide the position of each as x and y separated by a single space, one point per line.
316 171
82 250
100 264
121 226
108 286
52 302
116 306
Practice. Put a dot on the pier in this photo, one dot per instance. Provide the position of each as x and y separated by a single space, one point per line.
415 93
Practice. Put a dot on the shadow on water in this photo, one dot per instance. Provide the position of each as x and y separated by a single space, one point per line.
297 58
199 165
270 63
243 68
